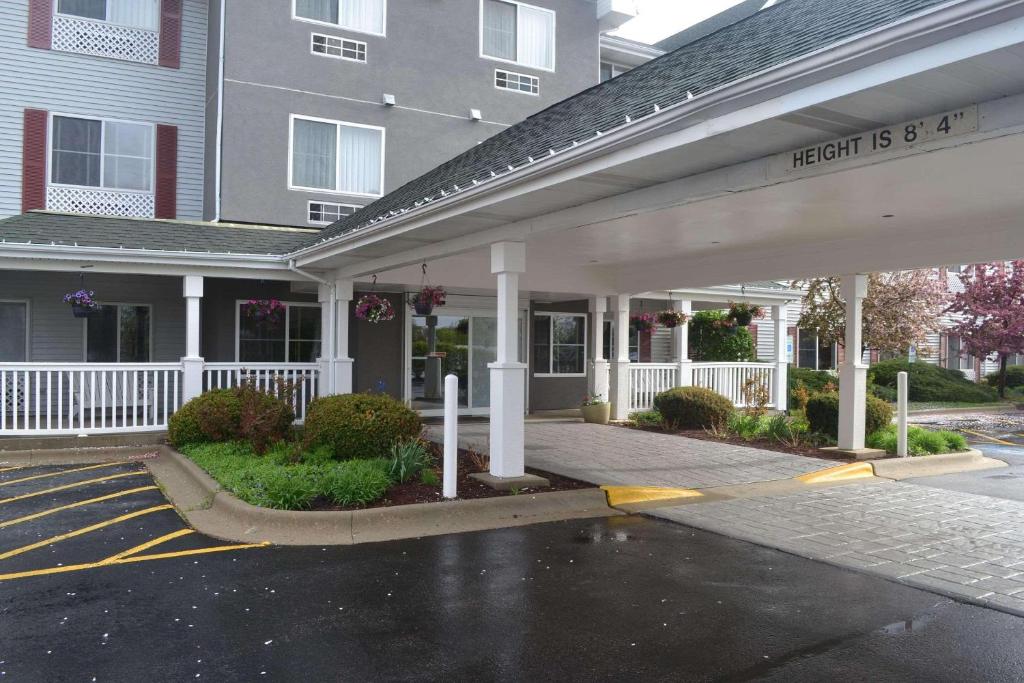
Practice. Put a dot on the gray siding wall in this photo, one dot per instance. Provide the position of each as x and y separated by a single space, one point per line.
95 86
377 350
555 393
429 60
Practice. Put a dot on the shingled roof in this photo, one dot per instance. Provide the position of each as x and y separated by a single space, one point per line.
770 37
44 228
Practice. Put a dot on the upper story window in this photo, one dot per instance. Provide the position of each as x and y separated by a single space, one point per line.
336 156
119 29
115 155
342 48
510 80
325 213
365 16
610 71
518 33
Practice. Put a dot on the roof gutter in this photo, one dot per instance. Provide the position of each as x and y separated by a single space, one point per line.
65 251
881 38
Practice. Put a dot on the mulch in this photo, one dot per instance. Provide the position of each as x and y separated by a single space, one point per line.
764 444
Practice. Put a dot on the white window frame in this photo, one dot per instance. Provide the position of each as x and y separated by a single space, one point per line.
103 139
119 304
337 156
106 6
287 330
309 208
384 22
518 75
554 36
551 344
28 323
312 42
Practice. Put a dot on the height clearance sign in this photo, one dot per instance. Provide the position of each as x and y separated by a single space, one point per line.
888 139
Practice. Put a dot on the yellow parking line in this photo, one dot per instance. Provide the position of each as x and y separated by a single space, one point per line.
11 469
57 474
148 544
70 486
44 513
83 530
990 438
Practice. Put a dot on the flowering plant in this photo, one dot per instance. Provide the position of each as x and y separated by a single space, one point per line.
670 319
374 309
265 310
82 298
427 298
743 313
593 400
643 322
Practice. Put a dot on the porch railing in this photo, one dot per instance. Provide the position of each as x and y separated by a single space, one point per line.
302 377
647 380
87 398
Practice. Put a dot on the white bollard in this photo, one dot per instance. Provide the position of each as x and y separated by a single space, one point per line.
451 435
901 414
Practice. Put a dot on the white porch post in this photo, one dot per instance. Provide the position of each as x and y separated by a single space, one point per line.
342 372
681 346
508 375
852 373
328 309
780 315
620 366
192 363
598 380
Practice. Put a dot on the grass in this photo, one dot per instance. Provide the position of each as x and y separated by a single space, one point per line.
288 479
919 441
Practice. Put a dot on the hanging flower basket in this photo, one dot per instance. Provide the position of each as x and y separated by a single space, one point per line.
643 322
82 304
270 311
670 318
424 301
374 309
743 314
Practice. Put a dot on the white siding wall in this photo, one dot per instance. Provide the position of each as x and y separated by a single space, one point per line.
95 86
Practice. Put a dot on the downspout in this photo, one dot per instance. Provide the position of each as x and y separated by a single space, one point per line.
306 274
220 114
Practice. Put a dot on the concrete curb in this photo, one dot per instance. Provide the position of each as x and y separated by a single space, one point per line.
932 465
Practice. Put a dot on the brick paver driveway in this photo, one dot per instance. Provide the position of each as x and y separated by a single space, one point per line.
616 455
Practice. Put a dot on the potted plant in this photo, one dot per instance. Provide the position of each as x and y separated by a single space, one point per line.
270 311
670 318
595 409
374 309
423 302
744 313
643 322
82 303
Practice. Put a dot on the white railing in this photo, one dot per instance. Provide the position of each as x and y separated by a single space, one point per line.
103 39
87 398
728 379
303 378
100 202
647 380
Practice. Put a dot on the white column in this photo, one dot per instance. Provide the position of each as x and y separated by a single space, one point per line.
342 361
508 375
780 392
598 380
192 363
681 345
620 366
853 373
328 307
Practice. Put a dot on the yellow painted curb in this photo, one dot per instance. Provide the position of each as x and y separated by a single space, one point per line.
852 470
628 495
989 438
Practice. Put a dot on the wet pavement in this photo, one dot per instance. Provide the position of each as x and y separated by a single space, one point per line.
618 598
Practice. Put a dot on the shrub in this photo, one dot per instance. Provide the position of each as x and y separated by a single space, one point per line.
823 414
360 425
884 393
804 382
282 488
919 441
646 418
928 382
1014 377
429 478
714 337
210 417
357 482
744 425
408 459
693 408
263 419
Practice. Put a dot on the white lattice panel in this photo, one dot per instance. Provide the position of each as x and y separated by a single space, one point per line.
99 202
72 34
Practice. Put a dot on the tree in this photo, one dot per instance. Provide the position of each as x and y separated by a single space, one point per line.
990 313
900 310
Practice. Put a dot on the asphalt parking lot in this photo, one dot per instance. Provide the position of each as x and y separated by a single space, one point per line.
617 598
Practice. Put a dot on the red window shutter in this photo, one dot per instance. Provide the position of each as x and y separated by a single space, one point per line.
166 171
33 160
40 23
170 33
644 341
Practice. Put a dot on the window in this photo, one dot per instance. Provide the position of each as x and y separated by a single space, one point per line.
95 153
514 32
296 339
327 212
13 331
956 357
559 344
342 48
814 354
144 14
334 156
509 80
365 16
609 342
118 333
610 71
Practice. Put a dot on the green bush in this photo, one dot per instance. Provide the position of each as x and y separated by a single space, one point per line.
823 414
408 459
919 441
747 427
210 417
357 482
646 418
805 382
930 383
693 408
264 419
360 425
885 393
714 337
1014 377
